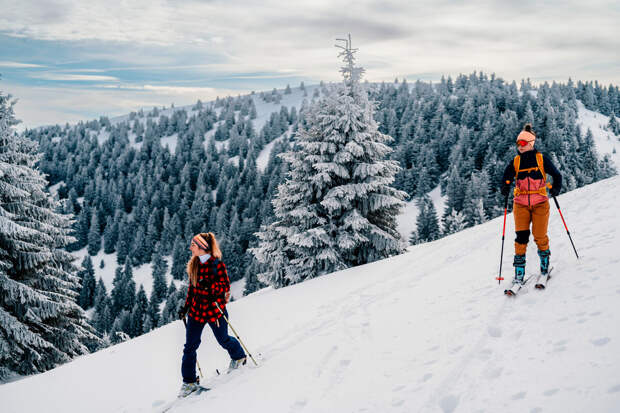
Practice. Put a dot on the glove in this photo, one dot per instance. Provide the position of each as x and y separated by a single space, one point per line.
505 189
555 191
183 312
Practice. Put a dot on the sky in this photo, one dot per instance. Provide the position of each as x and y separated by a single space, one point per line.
70 60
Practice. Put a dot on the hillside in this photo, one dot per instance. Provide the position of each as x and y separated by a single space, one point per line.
429 330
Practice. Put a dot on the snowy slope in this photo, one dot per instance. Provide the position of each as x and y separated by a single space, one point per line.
263 113
606 142
426 331
406 221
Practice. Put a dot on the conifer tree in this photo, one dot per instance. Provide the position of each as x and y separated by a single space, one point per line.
160 266
427 226
94 237
110 235
41 324
180 256
336 208
87 293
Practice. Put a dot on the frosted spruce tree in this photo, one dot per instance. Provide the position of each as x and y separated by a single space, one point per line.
336 208
41 324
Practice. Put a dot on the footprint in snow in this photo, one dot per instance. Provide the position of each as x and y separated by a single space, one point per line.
494 331
398 402
600 341
448 404
519 396
551 392
493 373
426 377
614 389
456 349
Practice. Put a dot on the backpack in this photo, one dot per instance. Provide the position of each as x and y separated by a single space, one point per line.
539 161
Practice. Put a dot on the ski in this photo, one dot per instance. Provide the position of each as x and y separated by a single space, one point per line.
179 399
175 403
516 287
541 284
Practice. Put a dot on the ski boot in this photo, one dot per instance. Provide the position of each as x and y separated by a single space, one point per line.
188 388
544 268
519 280
235 364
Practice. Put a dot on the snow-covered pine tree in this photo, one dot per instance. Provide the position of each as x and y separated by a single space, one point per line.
87 292
336 207
41 324
160 266
94 237
613 125
427 224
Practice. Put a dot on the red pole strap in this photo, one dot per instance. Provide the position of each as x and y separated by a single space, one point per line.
562 216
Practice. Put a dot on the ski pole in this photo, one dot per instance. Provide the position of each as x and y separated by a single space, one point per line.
197 364
564 222
501 257
236 335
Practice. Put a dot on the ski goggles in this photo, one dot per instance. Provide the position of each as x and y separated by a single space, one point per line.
524 143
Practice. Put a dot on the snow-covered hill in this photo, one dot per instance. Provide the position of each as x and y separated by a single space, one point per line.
426 331
606 142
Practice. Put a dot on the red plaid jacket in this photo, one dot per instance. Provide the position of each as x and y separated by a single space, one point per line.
211 287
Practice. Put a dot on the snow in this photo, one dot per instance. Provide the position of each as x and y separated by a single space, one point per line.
262 160
170 141
237 288
53 189
408 218
427 331
605 140
142 275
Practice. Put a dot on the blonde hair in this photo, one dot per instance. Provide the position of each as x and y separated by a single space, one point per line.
192 264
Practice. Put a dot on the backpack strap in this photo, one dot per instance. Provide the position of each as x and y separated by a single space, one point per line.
516 163
541 166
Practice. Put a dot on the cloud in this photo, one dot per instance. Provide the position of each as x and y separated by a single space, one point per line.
164 90
57 105
74 78
167 49
18 65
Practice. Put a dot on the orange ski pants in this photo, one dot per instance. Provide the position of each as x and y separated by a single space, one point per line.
536 215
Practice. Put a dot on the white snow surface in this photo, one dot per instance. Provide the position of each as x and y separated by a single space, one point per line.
142 275
426 331
605 140
407 220
263 113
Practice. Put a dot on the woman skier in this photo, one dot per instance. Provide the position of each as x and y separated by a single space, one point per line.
208 285
529 171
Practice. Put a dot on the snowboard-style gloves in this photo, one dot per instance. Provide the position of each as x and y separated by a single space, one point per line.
519 264
544 261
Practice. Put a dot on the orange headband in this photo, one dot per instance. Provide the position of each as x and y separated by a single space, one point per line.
198 239
526 136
